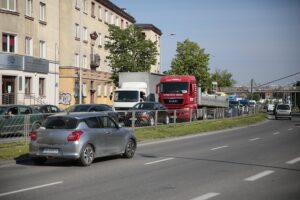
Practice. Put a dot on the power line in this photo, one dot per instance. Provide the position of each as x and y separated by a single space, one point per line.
278 79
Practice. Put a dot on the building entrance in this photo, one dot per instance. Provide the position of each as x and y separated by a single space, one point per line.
8 89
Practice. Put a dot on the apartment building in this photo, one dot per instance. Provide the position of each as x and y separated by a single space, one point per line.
154 34
29 51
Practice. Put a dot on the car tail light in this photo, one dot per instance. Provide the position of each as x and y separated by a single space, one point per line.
33 136
74 136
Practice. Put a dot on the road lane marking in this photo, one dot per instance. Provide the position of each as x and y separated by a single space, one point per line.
259 175
291 162
158 161
222 147
206 196
253 139
31 188
290 129
276 133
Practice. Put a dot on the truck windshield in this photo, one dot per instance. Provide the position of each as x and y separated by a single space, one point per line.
126 96
174 87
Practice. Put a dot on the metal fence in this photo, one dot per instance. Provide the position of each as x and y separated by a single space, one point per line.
18 127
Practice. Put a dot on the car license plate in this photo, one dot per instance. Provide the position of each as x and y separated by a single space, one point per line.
54 151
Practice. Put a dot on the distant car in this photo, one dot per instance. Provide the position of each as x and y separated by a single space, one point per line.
13 121
94 108
145 114
282 111
46 108
81 136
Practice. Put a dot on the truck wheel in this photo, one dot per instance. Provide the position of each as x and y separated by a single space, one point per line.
194 116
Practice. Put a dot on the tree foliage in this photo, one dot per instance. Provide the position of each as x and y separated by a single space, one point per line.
191 60
130 51
223 78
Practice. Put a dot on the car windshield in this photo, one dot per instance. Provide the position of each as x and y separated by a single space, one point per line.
174 87
60 123
144 106
283 107
126 96
78 108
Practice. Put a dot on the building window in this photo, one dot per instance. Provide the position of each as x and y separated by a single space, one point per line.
85 34
117 21
28 46
100 13
42 12
84 90
106 16
9 43
77 31
9 5
29 8
127 25
112 19
122 23
105 90
84 5
42 49
100 42
42 86
76 60
93 9
27 85
99 90
84 61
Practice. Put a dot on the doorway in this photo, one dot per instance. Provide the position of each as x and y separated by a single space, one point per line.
8 89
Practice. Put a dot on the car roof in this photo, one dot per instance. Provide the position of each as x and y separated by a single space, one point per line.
80 115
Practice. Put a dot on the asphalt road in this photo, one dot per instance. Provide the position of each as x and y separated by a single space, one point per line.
256 162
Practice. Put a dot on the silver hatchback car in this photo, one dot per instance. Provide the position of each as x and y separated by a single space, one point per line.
282 111
81 136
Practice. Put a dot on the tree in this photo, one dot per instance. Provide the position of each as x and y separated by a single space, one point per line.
129 51
223 78
191 60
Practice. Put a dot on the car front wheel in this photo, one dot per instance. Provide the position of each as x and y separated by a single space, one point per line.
87 155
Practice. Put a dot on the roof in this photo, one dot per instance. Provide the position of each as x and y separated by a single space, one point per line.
117 10
149 27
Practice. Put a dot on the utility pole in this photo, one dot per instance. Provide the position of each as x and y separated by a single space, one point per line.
251 89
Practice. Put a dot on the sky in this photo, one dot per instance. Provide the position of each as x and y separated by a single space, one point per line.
257 39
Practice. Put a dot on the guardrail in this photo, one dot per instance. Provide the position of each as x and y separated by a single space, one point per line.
18 127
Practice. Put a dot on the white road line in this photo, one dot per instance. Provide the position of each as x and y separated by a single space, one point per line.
163 160
222 147
253 139
31 188
259 175
291 162
290 129
206 196
276 133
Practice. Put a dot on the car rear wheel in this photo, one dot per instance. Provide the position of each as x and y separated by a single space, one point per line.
87 155
129 149
167 120
151 121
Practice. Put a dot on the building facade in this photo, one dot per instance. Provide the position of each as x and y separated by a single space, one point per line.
53 50
153 34
29 51
83 31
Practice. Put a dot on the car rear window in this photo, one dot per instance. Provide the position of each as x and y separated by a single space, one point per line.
61 123
283 107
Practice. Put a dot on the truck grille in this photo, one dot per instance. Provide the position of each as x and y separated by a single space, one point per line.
173 101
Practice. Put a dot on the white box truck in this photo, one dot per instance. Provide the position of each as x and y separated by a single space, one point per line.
135 87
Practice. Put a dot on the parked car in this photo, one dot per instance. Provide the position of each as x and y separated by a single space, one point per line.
145 114
13 121
94 108
282 111
81 136
46 108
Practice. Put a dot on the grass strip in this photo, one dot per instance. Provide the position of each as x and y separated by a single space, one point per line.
16 150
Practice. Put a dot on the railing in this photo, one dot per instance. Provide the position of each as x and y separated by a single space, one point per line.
21 99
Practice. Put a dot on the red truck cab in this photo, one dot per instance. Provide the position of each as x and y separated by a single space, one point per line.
178 92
